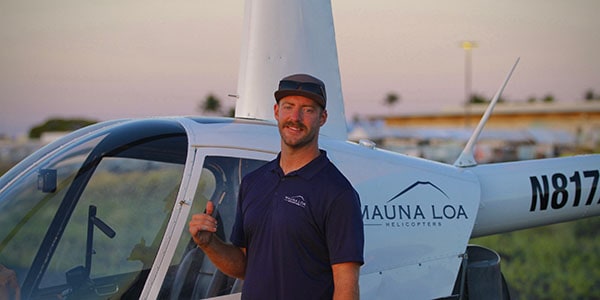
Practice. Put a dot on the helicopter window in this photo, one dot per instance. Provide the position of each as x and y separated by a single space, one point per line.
134 198
193 276
87 221
27 210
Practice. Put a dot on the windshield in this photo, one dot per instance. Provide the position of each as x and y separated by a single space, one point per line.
86 222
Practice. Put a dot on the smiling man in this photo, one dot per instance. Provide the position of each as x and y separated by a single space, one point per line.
298 232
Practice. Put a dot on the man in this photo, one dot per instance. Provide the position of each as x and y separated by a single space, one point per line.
298 232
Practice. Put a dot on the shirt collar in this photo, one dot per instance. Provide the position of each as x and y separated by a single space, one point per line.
308 171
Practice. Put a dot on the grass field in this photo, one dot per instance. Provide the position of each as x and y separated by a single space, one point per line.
560 261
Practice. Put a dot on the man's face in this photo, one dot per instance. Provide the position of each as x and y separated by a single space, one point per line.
299 119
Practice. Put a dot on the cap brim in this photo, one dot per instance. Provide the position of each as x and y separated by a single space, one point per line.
281 94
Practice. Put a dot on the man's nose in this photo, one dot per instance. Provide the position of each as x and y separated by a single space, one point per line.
296 114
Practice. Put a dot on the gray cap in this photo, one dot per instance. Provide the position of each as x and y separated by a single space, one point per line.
302 85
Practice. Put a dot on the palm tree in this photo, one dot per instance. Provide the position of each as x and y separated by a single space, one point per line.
477 99
211 104
391 99
590 95
548 98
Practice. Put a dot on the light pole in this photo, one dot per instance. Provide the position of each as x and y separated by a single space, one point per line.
468 46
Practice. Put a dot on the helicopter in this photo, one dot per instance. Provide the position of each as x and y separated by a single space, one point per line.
102 213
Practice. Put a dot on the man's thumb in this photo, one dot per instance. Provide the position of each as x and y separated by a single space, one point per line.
209 208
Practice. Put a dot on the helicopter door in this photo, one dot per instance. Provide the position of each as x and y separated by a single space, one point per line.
192 275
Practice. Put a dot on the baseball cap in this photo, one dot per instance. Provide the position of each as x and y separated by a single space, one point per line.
302 85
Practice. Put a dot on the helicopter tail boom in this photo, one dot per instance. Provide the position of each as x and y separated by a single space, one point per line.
525 194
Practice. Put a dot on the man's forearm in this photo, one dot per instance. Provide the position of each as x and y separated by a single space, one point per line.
228 258
345 280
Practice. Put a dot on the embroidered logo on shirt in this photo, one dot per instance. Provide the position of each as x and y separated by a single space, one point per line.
296 200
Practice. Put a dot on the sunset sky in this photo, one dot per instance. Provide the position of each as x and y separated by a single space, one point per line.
115 59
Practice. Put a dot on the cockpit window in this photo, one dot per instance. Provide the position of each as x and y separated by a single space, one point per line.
87 222
29 207
133 198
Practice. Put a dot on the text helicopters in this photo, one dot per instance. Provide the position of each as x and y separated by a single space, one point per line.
102 212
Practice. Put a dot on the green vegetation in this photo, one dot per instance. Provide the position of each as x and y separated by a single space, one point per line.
560 261
59 125
391 99
212 106
548 98
590 95
481 99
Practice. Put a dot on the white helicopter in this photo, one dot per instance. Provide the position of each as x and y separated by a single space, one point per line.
102 213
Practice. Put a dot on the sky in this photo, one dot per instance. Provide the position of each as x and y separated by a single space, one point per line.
112 59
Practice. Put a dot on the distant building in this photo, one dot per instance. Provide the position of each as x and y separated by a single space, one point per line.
514 131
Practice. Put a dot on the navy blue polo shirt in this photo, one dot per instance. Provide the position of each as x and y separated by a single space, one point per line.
294 227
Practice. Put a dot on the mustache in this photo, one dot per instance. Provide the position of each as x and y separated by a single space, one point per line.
294 124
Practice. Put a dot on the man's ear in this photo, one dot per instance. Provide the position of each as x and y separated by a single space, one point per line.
323 117
276 111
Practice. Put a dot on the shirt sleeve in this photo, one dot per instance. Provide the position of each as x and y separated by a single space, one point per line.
345 232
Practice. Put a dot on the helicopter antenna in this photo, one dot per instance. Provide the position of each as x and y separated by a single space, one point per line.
466 158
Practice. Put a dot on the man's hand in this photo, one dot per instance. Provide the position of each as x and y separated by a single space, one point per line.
230 259
203 226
